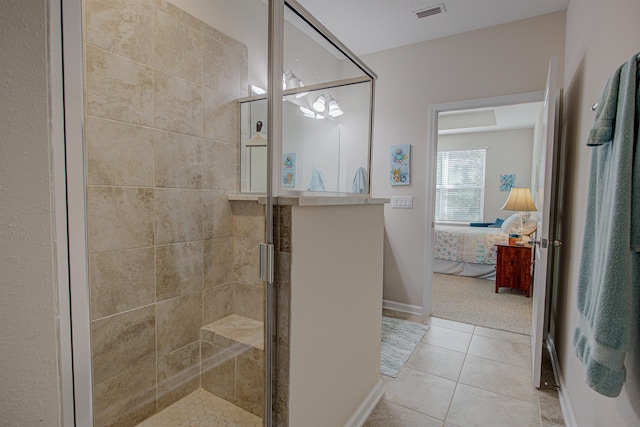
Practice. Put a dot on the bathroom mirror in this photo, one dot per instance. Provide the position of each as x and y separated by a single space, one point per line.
320 153
326 120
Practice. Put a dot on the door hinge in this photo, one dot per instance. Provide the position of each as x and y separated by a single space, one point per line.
266 262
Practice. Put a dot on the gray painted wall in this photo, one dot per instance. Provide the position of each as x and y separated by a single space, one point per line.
600 36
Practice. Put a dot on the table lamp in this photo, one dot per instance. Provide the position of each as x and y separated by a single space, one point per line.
520 200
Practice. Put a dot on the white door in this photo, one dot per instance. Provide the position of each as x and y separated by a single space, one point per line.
546 188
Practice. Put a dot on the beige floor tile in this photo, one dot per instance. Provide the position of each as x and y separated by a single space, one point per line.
451 324
389 414
447 338
503 335
501 351
497 377
475 407
550 411
437 361
425 393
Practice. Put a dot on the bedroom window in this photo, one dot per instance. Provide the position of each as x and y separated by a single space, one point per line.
460 185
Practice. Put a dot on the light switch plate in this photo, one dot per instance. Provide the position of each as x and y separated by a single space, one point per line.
402 202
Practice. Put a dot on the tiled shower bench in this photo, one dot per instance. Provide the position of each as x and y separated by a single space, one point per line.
232 361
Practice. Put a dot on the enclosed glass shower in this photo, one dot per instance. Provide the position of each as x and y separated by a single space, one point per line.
178 143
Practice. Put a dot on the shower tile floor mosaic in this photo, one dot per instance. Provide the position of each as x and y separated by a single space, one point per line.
202 409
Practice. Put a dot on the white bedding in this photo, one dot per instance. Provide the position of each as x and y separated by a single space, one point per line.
468 244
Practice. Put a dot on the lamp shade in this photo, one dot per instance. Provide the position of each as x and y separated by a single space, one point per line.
520 200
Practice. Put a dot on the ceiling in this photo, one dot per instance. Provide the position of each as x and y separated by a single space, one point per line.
517 116
367 26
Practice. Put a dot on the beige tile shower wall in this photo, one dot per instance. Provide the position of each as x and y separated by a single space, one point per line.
248 232
161 135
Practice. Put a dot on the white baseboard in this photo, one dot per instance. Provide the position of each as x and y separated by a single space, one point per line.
365 409
565 404
405 308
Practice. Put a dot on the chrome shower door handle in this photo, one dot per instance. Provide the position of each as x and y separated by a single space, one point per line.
266 262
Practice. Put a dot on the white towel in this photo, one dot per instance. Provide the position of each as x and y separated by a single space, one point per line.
317 181
360 181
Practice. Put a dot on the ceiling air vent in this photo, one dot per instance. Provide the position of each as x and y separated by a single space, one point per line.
430 11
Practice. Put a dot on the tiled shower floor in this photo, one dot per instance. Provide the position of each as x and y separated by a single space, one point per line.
202 409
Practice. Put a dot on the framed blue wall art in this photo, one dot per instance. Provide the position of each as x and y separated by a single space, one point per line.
400 164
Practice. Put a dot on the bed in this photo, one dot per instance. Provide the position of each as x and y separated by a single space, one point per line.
467 251
471 251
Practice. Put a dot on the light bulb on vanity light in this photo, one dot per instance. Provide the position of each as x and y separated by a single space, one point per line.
320 104
301 94
334 108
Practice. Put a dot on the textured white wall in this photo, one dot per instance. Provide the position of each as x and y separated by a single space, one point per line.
501 60
29 386
601 35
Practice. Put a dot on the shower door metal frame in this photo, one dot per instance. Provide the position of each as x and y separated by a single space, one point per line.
65 31
76 342
274 136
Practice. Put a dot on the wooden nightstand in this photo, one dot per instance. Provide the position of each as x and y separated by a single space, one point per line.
513 267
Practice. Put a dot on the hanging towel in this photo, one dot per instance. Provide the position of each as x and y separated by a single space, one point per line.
317 181
360 181
609 280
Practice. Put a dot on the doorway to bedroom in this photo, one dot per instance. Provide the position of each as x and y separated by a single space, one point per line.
480 151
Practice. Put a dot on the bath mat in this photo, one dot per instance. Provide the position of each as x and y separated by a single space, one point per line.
399 339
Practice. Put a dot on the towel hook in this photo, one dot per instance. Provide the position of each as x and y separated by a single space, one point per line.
594 106
259 126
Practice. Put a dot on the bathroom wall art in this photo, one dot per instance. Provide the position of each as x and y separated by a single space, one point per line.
400 164
289 170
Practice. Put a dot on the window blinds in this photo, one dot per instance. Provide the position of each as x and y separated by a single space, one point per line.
460 185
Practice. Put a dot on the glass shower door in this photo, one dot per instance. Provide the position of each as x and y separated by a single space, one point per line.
176 303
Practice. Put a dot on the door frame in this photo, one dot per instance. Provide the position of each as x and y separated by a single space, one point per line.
432 153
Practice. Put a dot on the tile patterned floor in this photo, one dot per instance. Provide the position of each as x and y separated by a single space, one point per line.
202 409
463 375
459 376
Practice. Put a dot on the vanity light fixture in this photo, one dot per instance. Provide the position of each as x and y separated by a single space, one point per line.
320 104
307 112
257 90
291 81
334 108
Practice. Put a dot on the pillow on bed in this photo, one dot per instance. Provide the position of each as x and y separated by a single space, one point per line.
497 224
511 223
530 226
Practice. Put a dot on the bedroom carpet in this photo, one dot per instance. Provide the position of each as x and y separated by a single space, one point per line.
399 339
473 301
